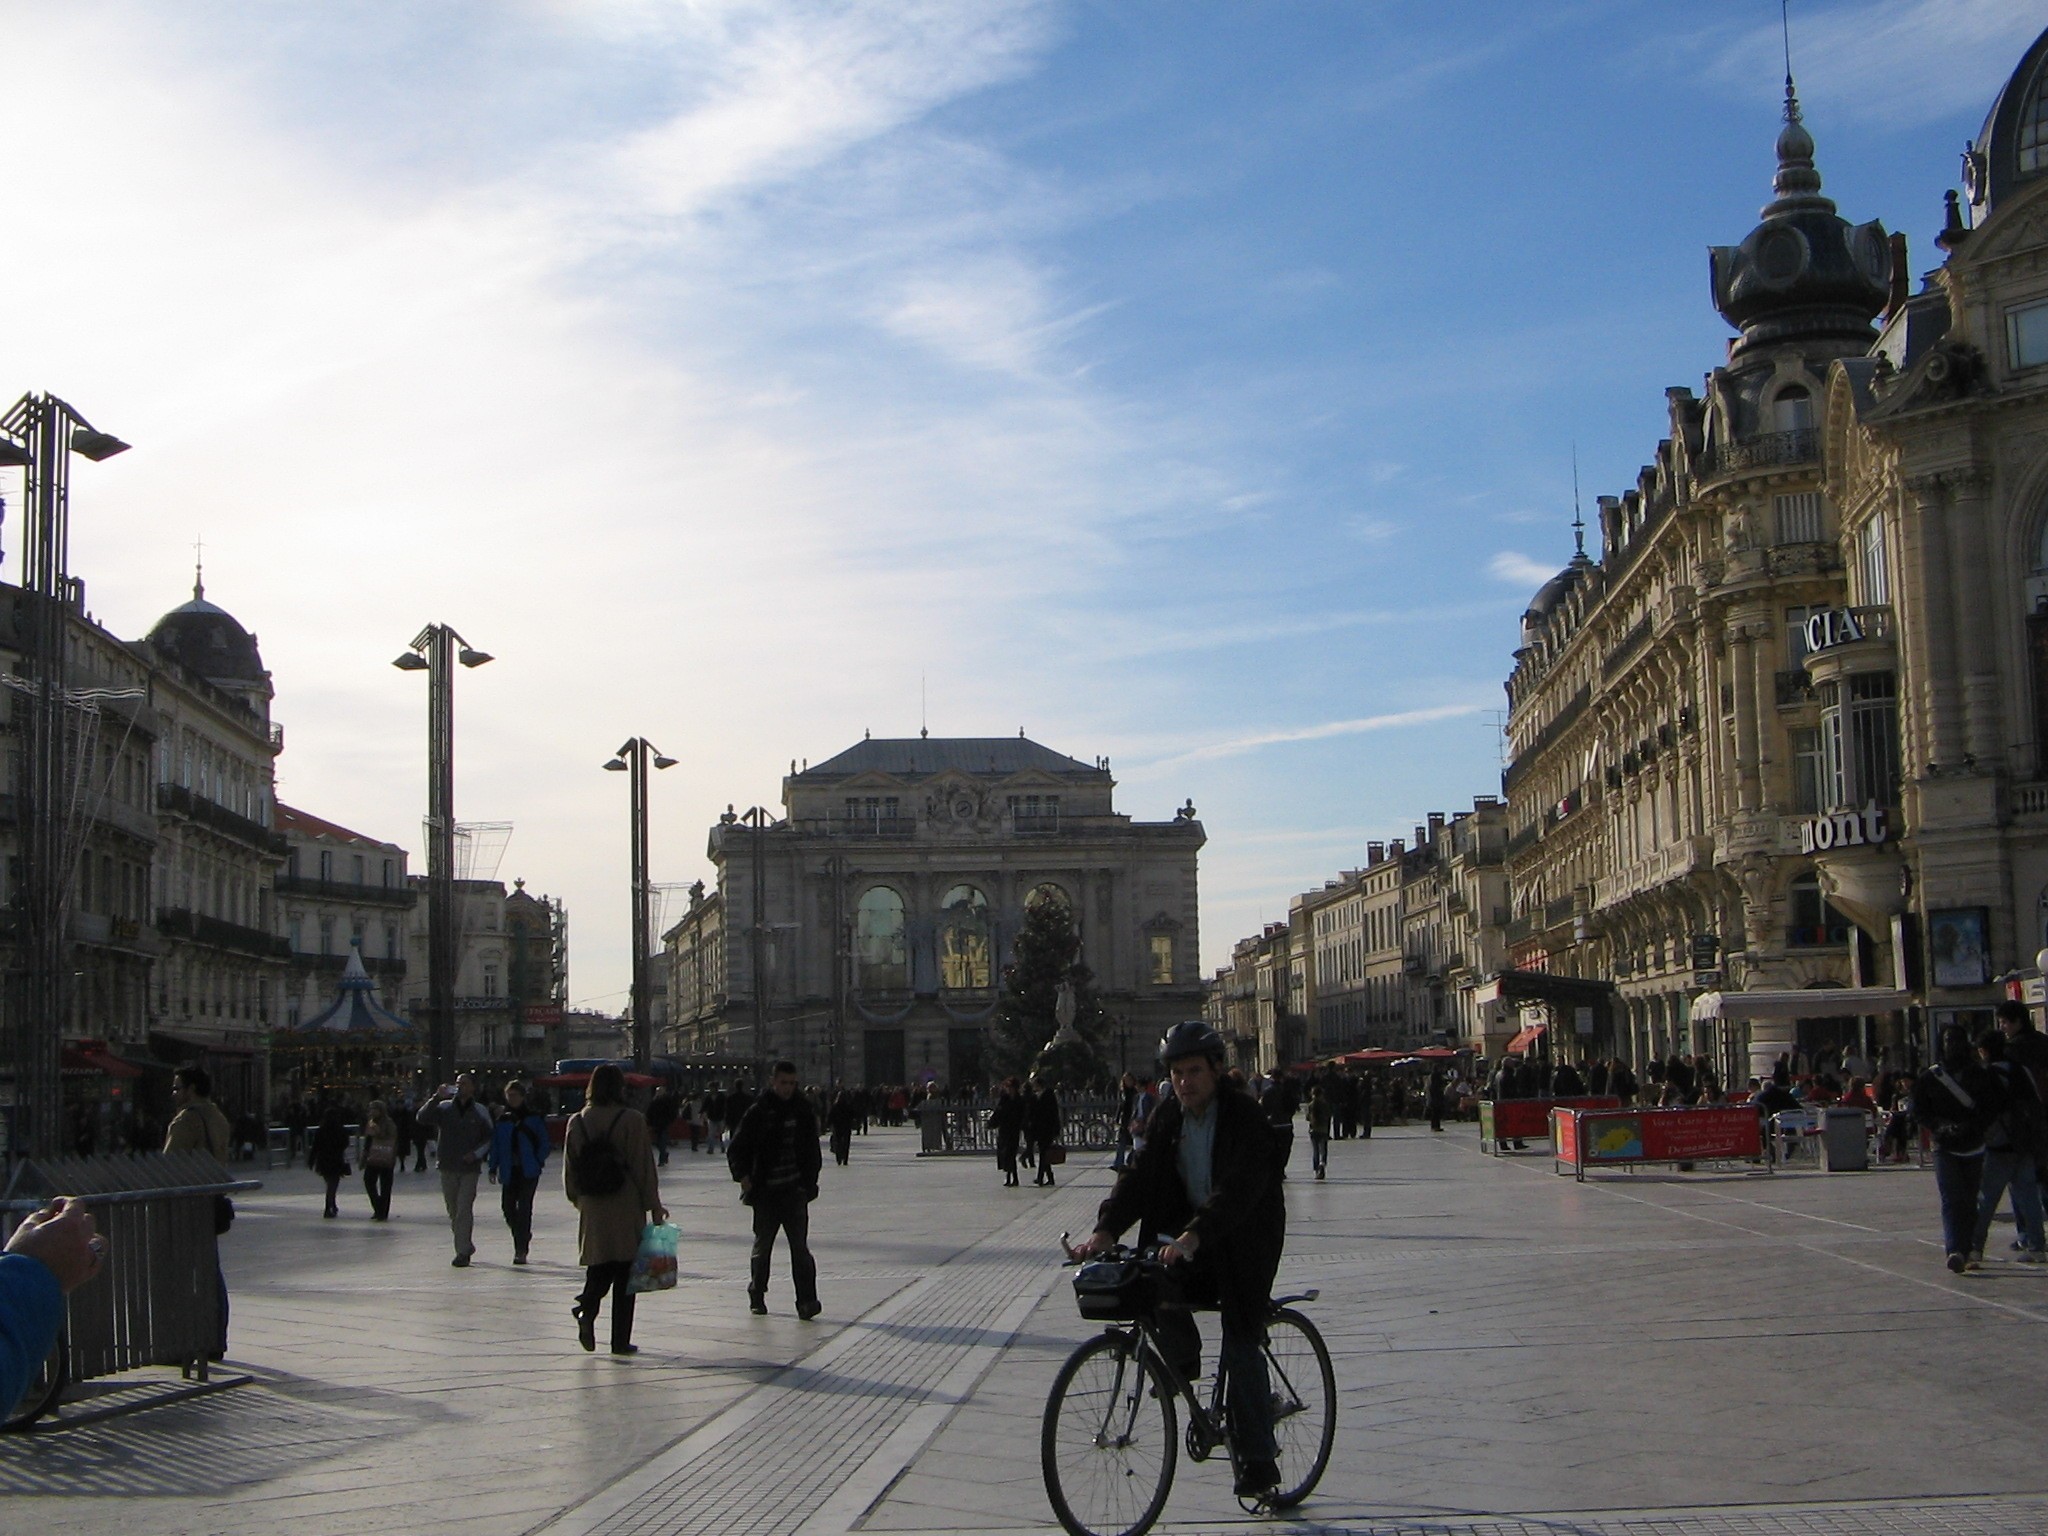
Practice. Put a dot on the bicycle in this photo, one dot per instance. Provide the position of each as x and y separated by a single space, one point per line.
1110 1441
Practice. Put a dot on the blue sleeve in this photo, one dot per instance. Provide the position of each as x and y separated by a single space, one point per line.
501 1147
31 1308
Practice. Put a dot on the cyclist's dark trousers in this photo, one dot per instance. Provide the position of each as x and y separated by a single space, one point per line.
1251 1393
784 1211
515 1199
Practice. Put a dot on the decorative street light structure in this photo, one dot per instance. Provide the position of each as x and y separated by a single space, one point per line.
434 651
632 759
39 434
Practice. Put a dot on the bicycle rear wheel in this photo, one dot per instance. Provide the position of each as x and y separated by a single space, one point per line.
1304 1389
1109 1440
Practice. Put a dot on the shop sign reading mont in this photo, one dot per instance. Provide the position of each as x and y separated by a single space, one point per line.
1844 829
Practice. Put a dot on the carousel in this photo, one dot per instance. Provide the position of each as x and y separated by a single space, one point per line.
353 1050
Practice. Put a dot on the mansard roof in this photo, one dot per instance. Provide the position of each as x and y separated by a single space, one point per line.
917 757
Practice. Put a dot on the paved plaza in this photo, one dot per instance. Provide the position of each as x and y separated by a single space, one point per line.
1515 1352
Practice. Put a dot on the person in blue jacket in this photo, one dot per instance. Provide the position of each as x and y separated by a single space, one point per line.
51 1254
519 1150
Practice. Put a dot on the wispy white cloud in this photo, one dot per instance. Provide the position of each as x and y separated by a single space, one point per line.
1238 746
1520 569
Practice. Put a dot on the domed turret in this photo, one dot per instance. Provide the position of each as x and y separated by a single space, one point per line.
1805 273
2012 149
208 640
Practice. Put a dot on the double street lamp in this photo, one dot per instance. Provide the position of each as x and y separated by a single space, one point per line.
38 434
632 759
435 650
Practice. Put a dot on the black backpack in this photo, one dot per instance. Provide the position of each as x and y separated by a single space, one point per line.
600 1167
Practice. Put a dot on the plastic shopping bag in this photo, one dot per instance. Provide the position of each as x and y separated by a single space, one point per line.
654 1267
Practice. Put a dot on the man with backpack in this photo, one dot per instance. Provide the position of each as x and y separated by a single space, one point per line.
2014 1143
462 1130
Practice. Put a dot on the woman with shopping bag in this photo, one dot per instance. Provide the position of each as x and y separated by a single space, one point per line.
609 1176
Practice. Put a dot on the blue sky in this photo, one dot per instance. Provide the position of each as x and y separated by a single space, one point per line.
1195 384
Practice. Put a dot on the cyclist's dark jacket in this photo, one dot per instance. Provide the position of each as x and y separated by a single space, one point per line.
1242 1228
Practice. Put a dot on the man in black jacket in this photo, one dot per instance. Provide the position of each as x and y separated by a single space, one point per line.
1208 1178
774 1157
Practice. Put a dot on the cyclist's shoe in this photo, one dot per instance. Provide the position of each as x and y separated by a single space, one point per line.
1257 1479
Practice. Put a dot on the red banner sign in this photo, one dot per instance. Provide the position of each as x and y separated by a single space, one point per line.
1600 1138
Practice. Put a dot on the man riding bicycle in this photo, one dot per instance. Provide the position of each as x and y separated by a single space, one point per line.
1208 1179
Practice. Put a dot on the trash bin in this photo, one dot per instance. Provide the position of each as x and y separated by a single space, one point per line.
1844 1139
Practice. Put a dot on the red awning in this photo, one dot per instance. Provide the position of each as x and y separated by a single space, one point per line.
94 1058
1526 1040
582 1080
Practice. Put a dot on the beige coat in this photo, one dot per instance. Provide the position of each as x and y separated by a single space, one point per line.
608 1226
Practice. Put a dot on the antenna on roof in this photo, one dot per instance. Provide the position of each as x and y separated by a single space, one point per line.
1578 518
924 724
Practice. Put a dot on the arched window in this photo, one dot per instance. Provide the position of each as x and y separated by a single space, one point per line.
964 958
2033 138
880 959
1792 411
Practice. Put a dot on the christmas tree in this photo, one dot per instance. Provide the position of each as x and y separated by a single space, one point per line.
1022 1033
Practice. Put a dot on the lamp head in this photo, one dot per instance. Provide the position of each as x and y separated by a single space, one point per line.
14 455
616 765
411 661
473 658
663 762
96 445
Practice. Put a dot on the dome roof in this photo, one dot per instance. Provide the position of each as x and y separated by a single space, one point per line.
1804 273
2012 148
208 640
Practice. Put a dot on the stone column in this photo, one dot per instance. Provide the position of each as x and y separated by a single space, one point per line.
1930 629
1968 570
1742 663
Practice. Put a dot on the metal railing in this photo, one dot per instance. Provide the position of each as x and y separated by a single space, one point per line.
962 1130
1764 451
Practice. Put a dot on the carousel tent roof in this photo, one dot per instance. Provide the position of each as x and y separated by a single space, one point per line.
354 1010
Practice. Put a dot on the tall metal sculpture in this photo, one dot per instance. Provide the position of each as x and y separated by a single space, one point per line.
39 434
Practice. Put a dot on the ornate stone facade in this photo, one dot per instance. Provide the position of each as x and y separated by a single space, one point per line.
864 932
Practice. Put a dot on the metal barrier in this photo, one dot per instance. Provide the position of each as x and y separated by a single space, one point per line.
157 1300
961 1130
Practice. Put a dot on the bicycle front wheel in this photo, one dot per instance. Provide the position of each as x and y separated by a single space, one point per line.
1304 1389
1108 1443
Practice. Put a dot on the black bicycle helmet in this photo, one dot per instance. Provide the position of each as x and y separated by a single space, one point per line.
1191 1037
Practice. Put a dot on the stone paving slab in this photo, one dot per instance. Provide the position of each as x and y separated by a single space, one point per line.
1703 1354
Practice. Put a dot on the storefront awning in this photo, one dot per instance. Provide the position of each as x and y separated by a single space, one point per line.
1526 1040
1806 1003
1512 986
92 1057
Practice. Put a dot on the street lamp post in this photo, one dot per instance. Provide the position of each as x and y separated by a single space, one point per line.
632 759
39 434
434 651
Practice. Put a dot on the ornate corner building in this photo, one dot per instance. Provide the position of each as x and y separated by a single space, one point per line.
864 932
1786 730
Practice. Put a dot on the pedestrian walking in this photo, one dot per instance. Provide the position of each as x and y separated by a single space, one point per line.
661 1115
1433 1098
2013 1143
714 1119
519 1151
199 1126
774 1159
840 1119
380 1159
1006 1124
1956 1100
1043 1124
328 1156
1127 1103
1318 1131
462 1132
609 1175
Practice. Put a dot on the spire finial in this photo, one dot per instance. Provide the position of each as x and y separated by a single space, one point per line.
198 570
1578 518
1797 183
1791 95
